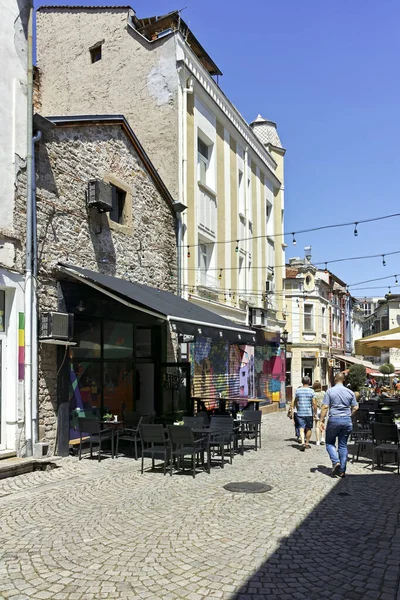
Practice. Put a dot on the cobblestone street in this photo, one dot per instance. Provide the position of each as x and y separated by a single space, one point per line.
88 531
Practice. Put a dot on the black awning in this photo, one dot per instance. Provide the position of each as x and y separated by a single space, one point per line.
185 317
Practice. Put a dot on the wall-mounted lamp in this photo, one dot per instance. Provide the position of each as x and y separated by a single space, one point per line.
80 307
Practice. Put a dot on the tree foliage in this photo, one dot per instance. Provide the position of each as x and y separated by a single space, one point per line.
357 376
386 368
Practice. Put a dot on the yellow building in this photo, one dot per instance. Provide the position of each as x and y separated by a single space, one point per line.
315 303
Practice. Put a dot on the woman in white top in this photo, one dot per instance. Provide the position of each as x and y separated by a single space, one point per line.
319 395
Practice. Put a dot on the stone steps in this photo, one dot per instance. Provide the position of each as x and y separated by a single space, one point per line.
10 467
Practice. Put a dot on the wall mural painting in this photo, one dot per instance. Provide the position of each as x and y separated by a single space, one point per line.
218 368
269 371
209 367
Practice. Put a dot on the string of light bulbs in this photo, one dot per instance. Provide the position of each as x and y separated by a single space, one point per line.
325 263
293 233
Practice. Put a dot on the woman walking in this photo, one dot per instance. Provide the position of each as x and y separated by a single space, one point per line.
319 397
340 403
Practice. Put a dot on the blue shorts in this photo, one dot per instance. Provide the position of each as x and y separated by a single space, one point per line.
305 422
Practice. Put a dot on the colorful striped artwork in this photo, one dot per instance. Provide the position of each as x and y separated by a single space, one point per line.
21 346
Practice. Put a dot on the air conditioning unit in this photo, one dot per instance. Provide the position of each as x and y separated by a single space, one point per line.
99 195
56 326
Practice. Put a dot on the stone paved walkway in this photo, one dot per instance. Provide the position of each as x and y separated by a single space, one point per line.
88 531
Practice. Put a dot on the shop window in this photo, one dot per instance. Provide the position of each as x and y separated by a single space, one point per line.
87 334
2 310
143 343
118 205
118 387
84 394
118 340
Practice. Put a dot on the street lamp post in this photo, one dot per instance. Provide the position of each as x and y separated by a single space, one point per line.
284 340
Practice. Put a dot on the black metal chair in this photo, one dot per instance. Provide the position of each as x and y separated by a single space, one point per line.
202 419
184 444
131 419
92 431
155 436
361 437
384 416
386 440
131 434
191 422
222 435
251 427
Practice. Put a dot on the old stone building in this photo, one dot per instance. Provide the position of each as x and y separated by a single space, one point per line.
135 242
106 279
229 173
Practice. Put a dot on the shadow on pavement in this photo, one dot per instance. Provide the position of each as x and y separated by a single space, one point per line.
347 548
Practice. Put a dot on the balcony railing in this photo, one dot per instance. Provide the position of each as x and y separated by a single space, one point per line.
206 210
206 280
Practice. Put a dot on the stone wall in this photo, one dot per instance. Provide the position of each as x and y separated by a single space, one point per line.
134 77
66 159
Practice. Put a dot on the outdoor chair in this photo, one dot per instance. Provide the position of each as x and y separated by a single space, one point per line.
361 437
184 444
202 419
222 435
91 430
362 418
131 434
191 422
158 445
370 405
131 419
386 440
251 427
384 416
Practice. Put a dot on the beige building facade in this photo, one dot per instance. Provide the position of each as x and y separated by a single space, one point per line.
315 301
229 174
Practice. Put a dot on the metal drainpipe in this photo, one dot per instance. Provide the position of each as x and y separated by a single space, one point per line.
35 381
185 91
247 242
28 259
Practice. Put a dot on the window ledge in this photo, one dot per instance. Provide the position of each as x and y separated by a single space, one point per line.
207 190
114 226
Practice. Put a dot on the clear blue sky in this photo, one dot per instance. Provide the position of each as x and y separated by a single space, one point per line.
327 72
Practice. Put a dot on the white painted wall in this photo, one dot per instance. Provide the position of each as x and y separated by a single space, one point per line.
11 391
13 106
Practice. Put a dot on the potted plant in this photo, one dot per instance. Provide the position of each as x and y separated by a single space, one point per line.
108 417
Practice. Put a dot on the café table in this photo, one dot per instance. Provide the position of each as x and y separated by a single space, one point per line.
114 426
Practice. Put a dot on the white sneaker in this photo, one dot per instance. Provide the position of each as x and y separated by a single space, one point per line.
318 443
322 442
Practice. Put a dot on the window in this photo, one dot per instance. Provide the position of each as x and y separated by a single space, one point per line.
203 158
242 276
241 192
118 205
95 53
271 254
205 264
323 320
2 310
249 201
308 317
